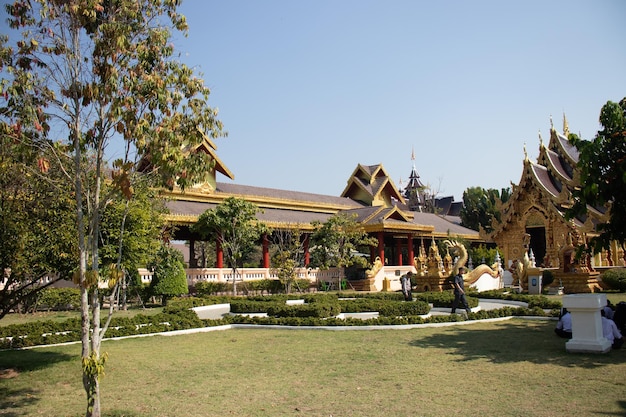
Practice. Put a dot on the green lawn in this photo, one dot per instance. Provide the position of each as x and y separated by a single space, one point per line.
510 368
14 318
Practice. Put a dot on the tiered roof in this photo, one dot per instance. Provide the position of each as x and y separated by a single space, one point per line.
372 186
554 176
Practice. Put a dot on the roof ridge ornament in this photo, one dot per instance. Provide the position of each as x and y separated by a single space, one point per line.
551 123
525 153
565 126
541 140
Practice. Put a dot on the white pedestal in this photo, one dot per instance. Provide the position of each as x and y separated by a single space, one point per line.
586 323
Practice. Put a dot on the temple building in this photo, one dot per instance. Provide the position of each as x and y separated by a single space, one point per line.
533 219
370 194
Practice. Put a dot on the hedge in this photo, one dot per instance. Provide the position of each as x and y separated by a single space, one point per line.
320 311
615 279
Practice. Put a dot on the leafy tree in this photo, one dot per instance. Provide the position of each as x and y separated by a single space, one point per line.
480 206
81 74
130 235
288 255
168 274
233 225
36 219
336 241
602 165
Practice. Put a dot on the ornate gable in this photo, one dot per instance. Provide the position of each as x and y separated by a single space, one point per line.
371 185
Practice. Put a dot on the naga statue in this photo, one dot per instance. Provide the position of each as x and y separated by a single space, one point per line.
472 276
373 271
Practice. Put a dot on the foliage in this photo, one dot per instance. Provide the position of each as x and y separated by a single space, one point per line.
168 273
482 254
288 255
532 300
83 74
130 234
615 279
480 206
336 241
36 219
59 299
443 298
232 224
602 166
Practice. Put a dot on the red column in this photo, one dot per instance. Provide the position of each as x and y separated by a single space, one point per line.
307 255
409 242
266 251
219 255
381 247
398 252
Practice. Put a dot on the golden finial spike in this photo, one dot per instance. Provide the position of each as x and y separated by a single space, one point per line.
565 126
525 153
540 139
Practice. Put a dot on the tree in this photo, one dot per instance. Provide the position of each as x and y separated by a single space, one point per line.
86 73
288 255
336 242
602 165
130 235
168 274
233 225
480 206
36 223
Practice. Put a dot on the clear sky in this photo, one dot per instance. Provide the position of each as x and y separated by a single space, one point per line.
309 89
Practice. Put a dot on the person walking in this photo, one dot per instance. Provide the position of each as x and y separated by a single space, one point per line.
459 292
406 286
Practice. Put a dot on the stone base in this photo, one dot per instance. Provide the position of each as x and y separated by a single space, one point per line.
588 346
577 283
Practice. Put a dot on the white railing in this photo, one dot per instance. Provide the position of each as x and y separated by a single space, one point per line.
195 275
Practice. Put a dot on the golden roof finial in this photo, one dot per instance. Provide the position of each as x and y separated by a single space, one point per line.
565 126
540 139
525 153
551 123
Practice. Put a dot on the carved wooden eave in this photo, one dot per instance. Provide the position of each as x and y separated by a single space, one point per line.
371 185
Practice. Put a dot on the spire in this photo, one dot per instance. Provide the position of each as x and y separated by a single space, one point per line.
565 126
525 153
551 123
540 139
413 153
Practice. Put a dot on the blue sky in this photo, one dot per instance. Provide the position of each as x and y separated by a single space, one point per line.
309 89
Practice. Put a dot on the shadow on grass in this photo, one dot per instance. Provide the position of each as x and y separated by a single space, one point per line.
12 398
16 362
32 359
515 341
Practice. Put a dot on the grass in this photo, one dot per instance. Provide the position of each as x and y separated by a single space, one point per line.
511 368
15 318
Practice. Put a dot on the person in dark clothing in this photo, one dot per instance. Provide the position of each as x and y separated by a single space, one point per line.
459 292
406 286
619 316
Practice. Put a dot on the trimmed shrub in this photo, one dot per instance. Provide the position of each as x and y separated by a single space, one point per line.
204 288
443 299
615 279
305 310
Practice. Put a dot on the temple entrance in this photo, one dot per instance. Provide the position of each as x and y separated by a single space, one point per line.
537 242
